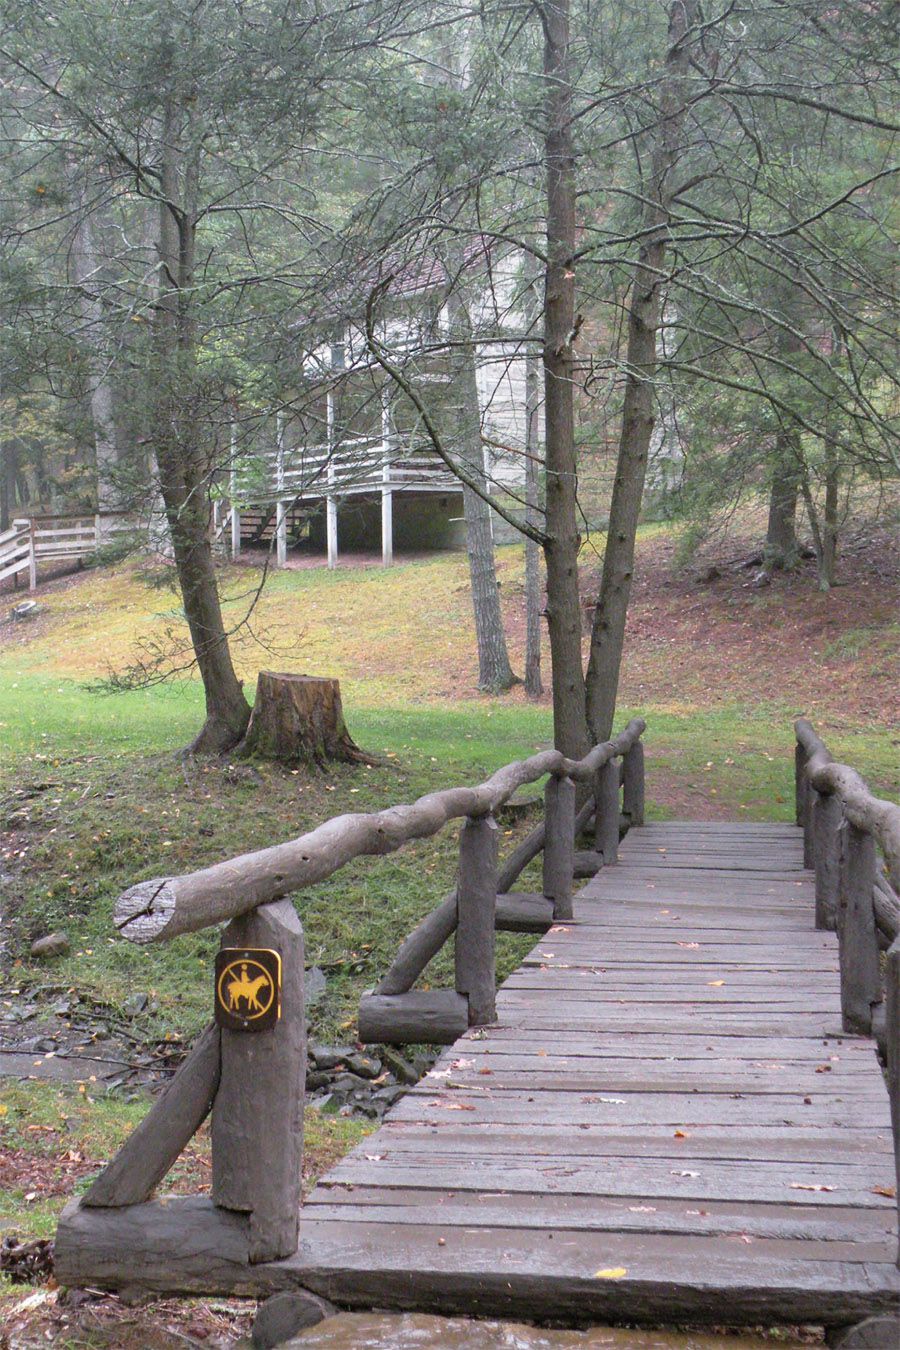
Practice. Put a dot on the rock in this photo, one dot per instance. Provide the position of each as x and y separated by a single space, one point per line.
283 1315
329 1057
314 986
875 1333
316 1080
54 944
403 1071
134 1004
423 1061
364 1066
386 1096
326 1106
346 1084
37 1045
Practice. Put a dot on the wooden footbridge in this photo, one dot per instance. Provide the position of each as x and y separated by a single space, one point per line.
677 1115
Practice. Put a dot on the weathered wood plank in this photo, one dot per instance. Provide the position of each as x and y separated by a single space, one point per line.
483 1272
590 1213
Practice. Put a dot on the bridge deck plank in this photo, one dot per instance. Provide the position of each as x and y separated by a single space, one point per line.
667 1120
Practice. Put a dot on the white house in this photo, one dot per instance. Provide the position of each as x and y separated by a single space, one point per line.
353 464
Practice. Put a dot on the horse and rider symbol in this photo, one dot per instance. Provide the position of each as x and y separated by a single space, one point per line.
247 988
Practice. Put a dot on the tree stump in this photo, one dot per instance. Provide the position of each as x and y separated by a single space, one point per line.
298 718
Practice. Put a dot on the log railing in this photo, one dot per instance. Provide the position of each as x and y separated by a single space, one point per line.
483 900
842 825
254 1079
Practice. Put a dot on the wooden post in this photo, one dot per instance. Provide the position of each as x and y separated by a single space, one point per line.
257 1119
559 844
476 898
809 858
32 556
280 534
801 784
827 814
606 812
892 1028
860 983
331 529
633 784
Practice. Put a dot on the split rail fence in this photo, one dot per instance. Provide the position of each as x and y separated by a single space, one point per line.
39 539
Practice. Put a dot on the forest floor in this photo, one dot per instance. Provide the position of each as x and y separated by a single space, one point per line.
719 656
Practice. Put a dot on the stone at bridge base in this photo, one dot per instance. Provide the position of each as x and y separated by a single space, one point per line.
284 1314
875 1333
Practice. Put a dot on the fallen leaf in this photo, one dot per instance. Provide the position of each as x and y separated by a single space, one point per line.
484 1070
642 1209
804 1186
610 1273
823 1068
687 944
714 984
682 1134
889 1191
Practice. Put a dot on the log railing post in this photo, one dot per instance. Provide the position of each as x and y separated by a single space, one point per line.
801 783
860 980
633 784
476 898
257 1117
606 812
559 844
827 813
892 1036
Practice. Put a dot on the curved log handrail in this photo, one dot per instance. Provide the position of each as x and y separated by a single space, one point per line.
876 816
166 906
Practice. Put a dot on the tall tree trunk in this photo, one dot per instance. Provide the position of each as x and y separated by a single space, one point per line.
561 546
533 684
494 671
638 412
784 493
183 466
85 269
